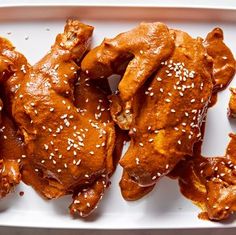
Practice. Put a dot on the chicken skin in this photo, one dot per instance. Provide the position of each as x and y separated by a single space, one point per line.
13 67
165 108
66 125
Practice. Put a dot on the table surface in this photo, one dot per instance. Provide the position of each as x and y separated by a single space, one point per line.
34 231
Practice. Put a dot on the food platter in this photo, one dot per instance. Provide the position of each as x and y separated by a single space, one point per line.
32 28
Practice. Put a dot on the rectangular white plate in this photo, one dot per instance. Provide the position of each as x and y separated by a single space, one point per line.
165 207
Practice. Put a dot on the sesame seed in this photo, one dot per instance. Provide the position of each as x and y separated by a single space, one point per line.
56 66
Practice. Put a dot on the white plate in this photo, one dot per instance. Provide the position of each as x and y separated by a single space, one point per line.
165 207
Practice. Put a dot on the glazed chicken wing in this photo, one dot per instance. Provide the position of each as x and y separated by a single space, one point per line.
223 59
211 182
164 110
223 72
13 67
67 129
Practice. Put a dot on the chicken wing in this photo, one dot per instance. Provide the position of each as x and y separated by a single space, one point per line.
13 67
65 122
164 114
210 182
223 59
